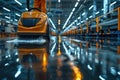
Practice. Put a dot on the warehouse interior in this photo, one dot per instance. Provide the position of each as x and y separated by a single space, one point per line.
71 40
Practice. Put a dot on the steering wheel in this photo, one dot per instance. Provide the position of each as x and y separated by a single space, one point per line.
35 9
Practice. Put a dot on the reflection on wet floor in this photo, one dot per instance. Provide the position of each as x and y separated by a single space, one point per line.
62 59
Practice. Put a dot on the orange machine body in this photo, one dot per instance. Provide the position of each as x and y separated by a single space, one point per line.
34 22
41 4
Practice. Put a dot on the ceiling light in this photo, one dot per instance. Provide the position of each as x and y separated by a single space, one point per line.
78 23
17 14
18 2
6 9
113 3
89 67
75 20
70 15
52 23
73 10
17 73
16 20
67 20
97 12
83 14
8 21
26 9
76 4
101 78
86 18
78 17
90 7
53 47
90 16
59 1
81 21
7 17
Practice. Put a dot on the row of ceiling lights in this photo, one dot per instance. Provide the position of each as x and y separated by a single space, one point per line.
8 10
71 14
59 21
71 25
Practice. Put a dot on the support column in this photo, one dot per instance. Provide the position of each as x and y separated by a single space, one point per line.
118 19
87 27
118 51
97 25
105 6
94 8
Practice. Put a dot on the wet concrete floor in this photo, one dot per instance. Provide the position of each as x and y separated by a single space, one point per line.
65 59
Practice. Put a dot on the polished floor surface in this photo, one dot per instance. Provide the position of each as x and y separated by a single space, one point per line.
68 58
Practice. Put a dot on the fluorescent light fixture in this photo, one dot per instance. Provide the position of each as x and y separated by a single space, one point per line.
86 18
17 14
7 17
90 16
97 12
83 14
73 10
16 52
101 77
53 30
52 23
53 47
69 26
113 3
17 60
59 1
6 64
118 73
26 9
78 17
90 7
67 20
6 9
16 20
70 15
18 2
8 21
66 50
78 23
75 20
81 21
76 4
89 67
18 73
71 47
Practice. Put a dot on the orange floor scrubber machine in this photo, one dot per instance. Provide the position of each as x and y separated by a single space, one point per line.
34 23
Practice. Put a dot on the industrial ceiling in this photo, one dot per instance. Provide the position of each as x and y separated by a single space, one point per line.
61 12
